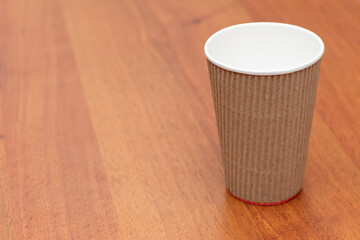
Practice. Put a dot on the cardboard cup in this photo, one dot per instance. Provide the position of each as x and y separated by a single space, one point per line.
264 79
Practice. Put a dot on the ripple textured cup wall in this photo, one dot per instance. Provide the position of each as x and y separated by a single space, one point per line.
264 111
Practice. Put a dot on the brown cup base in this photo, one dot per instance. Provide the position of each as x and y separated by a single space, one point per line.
265 204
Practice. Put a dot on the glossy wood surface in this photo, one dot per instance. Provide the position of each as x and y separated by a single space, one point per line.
107 126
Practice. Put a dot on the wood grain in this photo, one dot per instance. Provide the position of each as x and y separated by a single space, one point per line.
107 126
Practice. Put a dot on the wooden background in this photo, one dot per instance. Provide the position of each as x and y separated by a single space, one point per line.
107 126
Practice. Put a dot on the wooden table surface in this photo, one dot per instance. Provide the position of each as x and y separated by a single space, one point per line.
107 126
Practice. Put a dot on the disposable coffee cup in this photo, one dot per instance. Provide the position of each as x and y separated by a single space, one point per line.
264 79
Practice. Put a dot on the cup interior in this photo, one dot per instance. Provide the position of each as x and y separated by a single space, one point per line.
264 48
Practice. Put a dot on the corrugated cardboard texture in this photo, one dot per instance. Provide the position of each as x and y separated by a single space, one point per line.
264 125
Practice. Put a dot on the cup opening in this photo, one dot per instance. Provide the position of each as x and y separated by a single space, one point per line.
264 48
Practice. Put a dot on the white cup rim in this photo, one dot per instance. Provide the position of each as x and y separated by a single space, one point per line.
311 55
